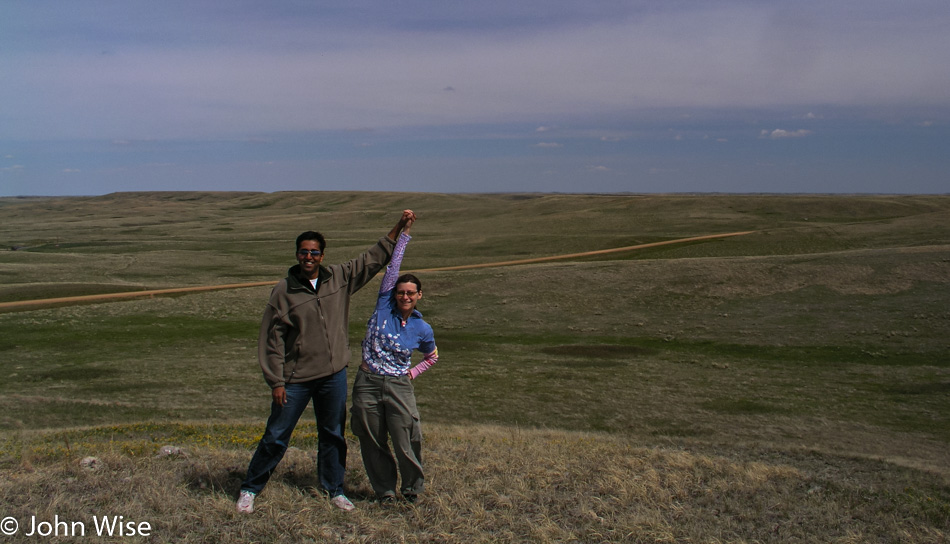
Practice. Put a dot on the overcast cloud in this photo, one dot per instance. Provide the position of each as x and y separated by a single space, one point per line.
100 96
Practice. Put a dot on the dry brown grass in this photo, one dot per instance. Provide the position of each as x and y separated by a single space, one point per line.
492 484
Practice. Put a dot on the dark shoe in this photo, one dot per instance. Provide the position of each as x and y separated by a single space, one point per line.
386 499
411 499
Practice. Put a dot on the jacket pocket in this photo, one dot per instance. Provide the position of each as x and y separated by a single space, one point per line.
290 361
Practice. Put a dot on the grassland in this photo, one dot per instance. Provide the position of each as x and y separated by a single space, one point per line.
787 385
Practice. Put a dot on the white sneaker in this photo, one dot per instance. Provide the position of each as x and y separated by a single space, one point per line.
343 503
245 502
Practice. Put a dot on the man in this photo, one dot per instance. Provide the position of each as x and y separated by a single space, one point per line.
303 350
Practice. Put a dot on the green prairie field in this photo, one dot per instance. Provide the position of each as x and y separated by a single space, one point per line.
789 384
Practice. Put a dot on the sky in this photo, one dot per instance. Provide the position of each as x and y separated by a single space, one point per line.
586 96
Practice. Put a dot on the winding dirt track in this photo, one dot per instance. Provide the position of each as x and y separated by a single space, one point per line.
38 303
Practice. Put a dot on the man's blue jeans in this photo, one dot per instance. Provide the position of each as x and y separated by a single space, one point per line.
329 407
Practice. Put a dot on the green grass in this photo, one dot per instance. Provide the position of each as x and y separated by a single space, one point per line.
819 341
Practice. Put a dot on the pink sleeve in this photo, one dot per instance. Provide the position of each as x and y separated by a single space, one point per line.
424 364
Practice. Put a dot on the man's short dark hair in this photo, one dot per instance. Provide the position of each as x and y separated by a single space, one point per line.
312 235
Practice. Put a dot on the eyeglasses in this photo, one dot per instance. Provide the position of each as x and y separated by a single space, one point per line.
406 293
312 252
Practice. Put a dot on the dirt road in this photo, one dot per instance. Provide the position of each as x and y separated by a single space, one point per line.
39 303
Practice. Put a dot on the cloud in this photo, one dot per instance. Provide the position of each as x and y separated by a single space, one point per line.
316 71
548 145
778 134
598 168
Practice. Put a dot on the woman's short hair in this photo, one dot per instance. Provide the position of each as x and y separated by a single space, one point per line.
409 278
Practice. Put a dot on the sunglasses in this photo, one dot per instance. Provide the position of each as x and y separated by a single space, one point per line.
311 252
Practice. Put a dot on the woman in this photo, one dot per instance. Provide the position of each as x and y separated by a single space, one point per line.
384 405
